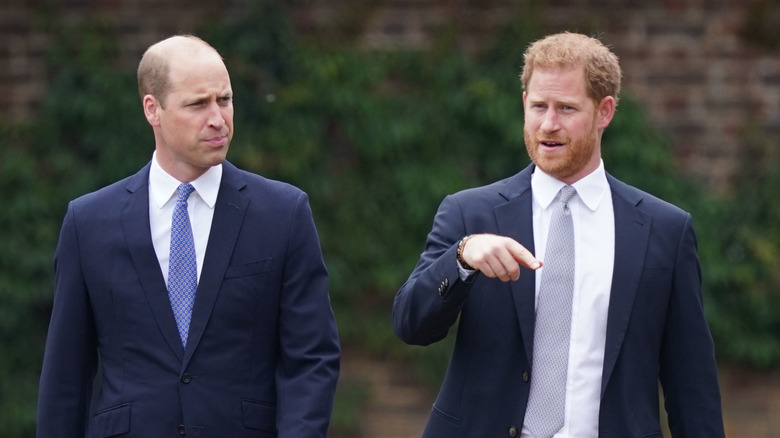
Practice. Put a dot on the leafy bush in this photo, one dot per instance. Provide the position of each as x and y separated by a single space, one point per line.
742 254
25 264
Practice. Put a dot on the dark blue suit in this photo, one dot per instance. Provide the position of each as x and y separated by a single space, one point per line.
655 330
262 357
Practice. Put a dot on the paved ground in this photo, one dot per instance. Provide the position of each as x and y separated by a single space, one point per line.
397 406
751 403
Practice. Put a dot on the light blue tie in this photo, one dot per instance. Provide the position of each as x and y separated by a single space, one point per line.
547 399
182 268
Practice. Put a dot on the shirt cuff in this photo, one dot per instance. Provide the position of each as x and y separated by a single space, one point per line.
464 273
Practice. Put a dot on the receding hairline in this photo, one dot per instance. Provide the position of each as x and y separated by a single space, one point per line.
176 43
155 65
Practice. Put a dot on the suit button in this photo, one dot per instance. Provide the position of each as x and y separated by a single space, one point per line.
525 376
443 286
182 430
512 431
186 378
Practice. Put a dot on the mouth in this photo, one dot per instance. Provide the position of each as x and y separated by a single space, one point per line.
216 141
551 144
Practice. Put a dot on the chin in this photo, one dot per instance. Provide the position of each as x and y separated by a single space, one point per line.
551 167
216 156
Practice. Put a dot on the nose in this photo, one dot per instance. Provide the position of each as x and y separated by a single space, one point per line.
216 118
549 121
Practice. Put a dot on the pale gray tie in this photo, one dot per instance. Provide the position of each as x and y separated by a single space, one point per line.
547 400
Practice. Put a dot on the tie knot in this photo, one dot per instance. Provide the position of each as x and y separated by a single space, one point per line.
184 192
567 192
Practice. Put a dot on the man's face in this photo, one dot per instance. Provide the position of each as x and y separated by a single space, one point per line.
562 124
194 125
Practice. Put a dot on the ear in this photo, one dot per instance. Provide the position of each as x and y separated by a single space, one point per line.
525 96
152 109
605 110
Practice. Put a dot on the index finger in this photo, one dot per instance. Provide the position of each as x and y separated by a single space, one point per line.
523 256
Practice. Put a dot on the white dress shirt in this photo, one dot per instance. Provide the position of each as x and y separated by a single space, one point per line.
200 206
594 248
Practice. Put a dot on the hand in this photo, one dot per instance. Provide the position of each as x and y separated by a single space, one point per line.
498 256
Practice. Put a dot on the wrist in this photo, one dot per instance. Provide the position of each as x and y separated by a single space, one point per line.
459 257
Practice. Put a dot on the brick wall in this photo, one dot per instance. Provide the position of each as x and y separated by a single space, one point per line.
701 81
28 30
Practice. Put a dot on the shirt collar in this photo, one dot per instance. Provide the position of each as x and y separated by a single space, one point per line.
591 189
163 186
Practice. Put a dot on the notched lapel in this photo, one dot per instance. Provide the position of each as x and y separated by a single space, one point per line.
138 235
632 231
229 212
515 220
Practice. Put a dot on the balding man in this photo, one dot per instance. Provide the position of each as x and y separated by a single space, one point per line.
198 289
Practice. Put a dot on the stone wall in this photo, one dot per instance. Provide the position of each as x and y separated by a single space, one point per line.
707 71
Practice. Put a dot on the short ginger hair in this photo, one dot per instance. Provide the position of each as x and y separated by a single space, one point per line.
566 50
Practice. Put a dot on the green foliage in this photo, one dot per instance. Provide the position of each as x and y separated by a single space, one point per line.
351 394
742 277
639 155
25 262
90 132
377 139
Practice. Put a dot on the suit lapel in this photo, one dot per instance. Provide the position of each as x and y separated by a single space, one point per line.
229 213
515 220
632 230
138 235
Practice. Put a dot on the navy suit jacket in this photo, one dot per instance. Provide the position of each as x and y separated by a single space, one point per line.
262 357
656 328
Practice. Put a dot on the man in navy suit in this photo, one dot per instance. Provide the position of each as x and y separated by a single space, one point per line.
260 355
636 316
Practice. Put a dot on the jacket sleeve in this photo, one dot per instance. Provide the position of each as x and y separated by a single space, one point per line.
688 370
309 366
70 357
429 303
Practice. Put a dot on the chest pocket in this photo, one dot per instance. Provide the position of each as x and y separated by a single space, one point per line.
248 269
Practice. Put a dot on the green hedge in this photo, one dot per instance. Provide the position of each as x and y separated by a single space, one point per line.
376 139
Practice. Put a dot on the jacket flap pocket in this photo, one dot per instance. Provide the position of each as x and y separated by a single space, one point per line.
112 421
258 415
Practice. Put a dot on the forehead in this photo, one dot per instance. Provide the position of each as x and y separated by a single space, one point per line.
198 72
557 82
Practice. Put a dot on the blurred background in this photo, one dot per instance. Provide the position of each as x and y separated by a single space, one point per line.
378 109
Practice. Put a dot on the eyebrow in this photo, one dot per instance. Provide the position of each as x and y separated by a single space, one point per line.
564 102
200 96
